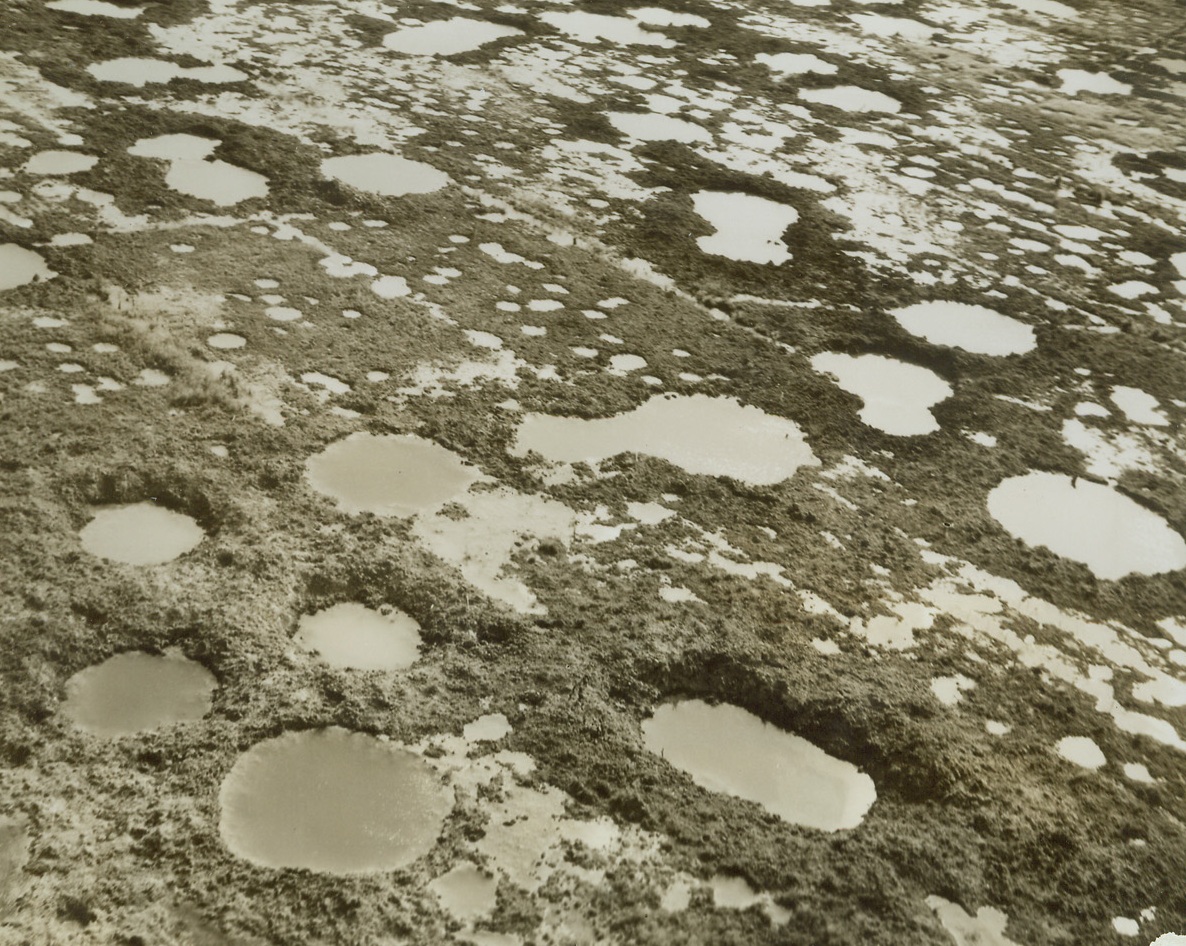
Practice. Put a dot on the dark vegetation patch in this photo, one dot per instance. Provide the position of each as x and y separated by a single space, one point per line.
666 234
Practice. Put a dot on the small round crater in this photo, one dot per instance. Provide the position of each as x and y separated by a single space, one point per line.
389 475
727 749
332 801
137 692
354 637
140 534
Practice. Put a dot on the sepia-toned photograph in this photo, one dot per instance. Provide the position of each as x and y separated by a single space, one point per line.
592 473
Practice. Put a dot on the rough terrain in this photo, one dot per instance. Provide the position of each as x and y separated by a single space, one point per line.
869 602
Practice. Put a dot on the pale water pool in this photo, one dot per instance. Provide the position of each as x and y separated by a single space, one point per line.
1049 7
140 534
1089 523
95 8
466 891
727 749
651 126
852 98
19 267
332 801
354 637
137 692
897 396
1081 750
176 147
594 27
986 928
794 64
973 328
717 436
385 174
735 893
1075 81
134 70
59 163
139 72
488 728
389 475
220 183
660 16
447 37
226 340
749 228
1139 406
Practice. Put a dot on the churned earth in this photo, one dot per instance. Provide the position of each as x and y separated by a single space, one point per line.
585 473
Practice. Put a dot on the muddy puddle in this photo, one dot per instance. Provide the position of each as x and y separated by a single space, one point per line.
1088 523
139 72
594 27
52 163
897 396
385 174
716 436
177 147
727 749
95 8
332 801
651 126
220 183
138 692
389 475
447 37
140 534
19 266
973 328
354 637
852 98
226 341
466 891
749 228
